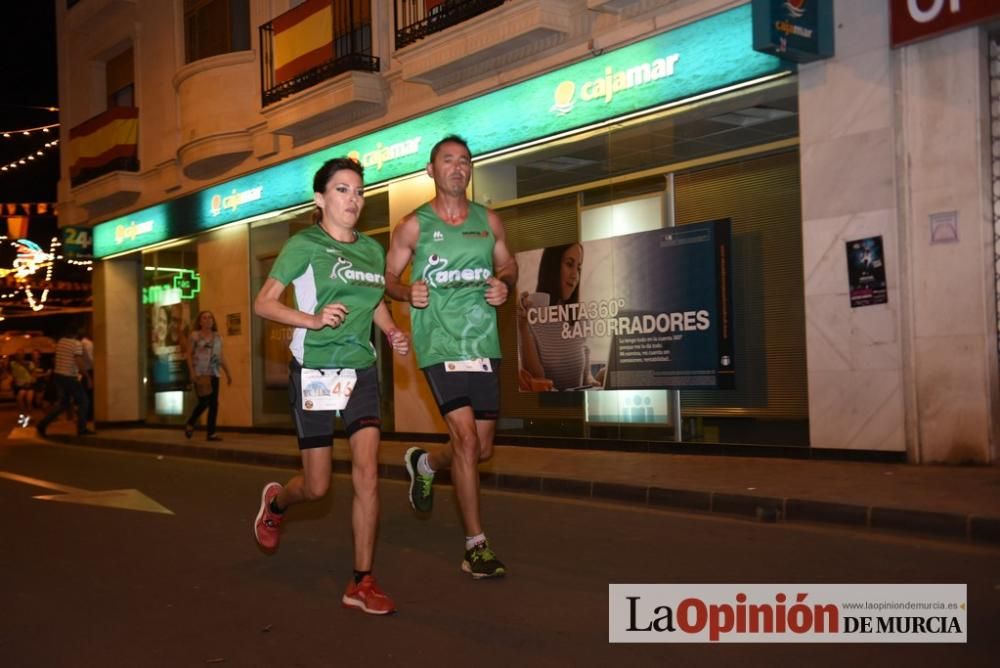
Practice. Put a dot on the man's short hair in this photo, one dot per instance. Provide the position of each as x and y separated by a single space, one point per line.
450 139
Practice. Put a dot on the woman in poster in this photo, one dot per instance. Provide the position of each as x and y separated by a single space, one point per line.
168 333
548 361
205 360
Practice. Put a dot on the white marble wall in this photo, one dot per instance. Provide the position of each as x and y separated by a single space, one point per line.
995 167
994 48
887 138
855 355
944 167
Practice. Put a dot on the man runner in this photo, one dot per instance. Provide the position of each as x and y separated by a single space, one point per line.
461 271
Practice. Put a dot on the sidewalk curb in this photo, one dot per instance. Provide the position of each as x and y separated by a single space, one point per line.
955 527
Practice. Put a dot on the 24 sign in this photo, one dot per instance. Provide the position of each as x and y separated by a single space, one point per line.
77 242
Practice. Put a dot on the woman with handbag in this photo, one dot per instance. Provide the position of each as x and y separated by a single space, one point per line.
204 362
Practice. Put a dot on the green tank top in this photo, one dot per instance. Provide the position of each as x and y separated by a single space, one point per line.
455 260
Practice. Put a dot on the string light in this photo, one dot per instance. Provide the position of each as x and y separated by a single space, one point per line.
28 106
14 164
30 260
27 131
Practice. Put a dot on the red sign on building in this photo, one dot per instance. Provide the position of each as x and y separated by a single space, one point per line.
913 20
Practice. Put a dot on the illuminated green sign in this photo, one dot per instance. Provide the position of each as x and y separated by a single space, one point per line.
136 230
186 284
700 57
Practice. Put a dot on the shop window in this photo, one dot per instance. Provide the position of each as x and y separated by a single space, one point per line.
170 302
215 27
732 157
614 218
531 226
733 122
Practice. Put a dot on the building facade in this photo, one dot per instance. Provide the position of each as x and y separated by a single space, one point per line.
193 128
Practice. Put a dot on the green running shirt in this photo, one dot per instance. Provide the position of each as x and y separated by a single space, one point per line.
455 260
322 271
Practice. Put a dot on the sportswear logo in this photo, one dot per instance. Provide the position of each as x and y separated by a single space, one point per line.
438 236
343 271
438 276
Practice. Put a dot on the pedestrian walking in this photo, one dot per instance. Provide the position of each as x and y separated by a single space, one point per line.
337 275
69 377
205 362
463 270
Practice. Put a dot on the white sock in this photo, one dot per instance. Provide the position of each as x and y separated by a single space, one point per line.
472 541
423 466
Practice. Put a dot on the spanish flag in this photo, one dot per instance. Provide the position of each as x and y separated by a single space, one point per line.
105 143
303 39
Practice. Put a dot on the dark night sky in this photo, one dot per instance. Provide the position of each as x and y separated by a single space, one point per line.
28 79
28 85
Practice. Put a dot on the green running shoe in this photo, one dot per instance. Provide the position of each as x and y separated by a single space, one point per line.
480 562
421 486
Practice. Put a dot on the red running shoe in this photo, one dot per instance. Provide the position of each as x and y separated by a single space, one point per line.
267 527
366 596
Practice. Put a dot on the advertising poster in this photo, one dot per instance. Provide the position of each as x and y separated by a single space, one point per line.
650 310
170 325
866 272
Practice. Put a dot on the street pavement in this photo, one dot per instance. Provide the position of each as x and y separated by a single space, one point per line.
953 503
91 579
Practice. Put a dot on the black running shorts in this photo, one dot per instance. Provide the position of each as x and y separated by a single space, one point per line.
478 389
315 428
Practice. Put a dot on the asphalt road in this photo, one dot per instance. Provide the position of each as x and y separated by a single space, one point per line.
87 585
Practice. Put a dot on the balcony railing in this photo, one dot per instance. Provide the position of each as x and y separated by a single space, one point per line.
108 142
416 19
312 43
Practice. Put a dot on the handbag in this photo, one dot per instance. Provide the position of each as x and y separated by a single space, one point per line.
203 385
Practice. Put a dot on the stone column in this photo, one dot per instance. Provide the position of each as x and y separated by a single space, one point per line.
945 204
118 324
847 133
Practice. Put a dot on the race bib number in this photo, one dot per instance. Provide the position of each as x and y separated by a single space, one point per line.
327 389
481 365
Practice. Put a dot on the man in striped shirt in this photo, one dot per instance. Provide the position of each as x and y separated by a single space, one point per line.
69 367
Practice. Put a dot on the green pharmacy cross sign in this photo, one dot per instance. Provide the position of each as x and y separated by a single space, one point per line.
185 284
188 283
